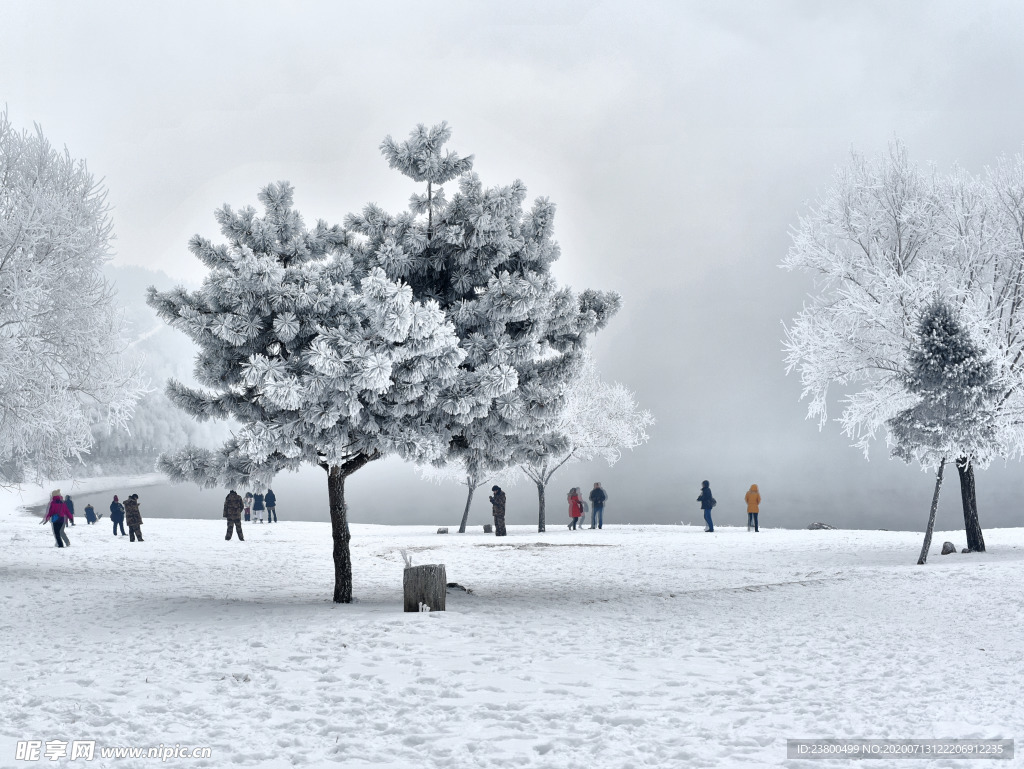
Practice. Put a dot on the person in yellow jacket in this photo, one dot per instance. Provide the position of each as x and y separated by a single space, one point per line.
753 499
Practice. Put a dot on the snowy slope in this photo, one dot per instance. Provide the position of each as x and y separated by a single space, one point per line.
646 646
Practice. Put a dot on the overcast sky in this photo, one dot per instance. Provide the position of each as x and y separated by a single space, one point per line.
680 141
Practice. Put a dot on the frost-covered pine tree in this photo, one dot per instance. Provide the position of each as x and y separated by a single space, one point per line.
955 391
62 361
596 419
315 352
487 262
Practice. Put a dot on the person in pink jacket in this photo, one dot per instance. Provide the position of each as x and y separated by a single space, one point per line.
58 515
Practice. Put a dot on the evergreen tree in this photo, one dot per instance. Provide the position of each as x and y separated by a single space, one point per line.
955 391
315 352
487 262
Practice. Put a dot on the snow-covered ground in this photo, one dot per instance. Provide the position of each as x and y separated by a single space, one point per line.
642 646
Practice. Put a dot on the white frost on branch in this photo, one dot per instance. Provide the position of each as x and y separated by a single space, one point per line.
597 420
886 240
62 365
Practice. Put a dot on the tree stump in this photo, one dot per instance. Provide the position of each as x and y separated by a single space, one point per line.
442 530
425 585
488 528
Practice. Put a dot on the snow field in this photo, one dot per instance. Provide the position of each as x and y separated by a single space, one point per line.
639 646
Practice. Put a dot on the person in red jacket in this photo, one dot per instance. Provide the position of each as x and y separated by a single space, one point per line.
575 507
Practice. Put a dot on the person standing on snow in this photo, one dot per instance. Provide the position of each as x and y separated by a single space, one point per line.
753 500
133 517
257 508
498 510
90 514
575 507
598 497
247 499
706 503
117 516
233 507
71 508
271 500
57 514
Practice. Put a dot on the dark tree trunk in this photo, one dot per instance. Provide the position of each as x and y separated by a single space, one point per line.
336 476
931 516
540 514
969 500
465 513
430 211
342 536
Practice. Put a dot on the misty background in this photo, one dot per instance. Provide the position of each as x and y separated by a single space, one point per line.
679 140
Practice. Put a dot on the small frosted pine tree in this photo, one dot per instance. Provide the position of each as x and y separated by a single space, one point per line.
487 262
315 352
954 415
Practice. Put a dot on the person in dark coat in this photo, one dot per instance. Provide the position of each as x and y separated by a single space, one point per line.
233 507
90 514
498 510
271 501
598 497
706 503
57 514
71 508
257 508
133 517
117 516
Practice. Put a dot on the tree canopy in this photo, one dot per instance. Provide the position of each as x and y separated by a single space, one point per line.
62 352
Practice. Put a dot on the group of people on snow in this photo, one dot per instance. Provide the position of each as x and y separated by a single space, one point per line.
256 504
61 513
126 512
252 506
598 496
578 508
707 502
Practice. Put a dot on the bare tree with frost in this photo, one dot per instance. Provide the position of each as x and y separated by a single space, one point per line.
471 474
62 363
954 395
597 419
315 352
884 240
